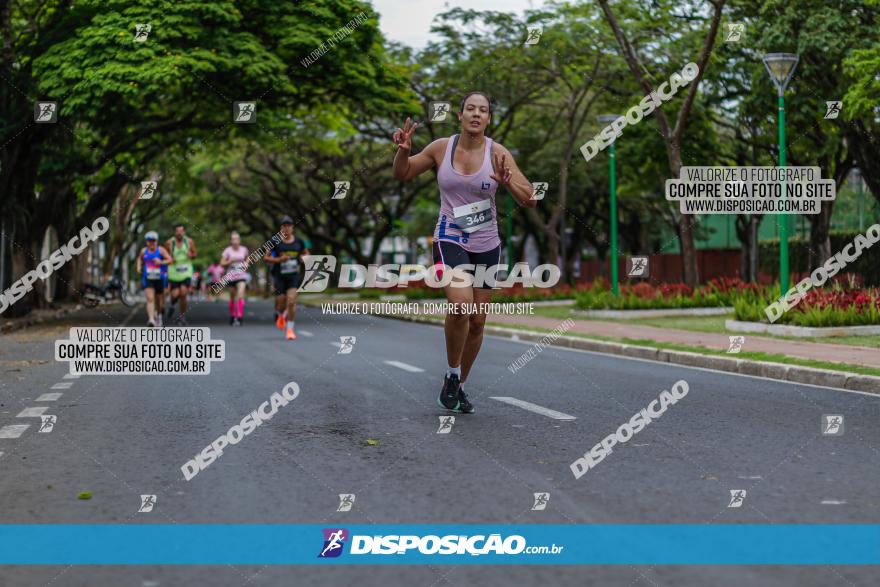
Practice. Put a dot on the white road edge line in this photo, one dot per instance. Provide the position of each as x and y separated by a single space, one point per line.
62 385
35 412
716 371
404 366
534 408
306 333
70 376
13 430
49 397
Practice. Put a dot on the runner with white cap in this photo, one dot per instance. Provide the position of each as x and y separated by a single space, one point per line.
152 264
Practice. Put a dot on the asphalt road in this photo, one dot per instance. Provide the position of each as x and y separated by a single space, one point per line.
122 436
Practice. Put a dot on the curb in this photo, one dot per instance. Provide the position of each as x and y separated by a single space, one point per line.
788 330
792 373
662 313
22 323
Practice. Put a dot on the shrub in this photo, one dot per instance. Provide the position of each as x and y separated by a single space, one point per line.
819 308
721 292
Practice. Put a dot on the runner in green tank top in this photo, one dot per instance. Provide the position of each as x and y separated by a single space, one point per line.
180 271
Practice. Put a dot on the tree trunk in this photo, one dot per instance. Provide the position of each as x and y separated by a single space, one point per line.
685 226
820 239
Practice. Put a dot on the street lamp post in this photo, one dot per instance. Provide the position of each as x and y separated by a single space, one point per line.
604 120
781 67
509 230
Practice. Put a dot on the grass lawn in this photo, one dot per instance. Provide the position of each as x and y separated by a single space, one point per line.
768 357
704 324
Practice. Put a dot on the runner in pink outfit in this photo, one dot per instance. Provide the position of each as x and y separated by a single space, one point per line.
235 260
470 167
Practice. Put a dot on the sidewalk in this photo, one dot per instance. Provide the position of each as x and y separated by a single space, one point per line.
833 353
36 317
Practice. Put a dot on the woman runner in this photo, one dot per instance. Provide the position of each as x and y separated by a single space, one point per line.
235 260
470 167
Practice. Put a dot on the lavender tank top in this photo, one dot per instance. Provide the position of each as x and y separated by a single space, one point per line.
468 200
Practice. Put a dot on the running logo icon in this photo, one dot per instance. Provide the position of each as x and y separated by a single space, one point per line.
346 502
47 423
340 189
317 275
446 423
244 112
734 32
541 500
534 35
334 541
439 111
638 267
147 503
46 112
346 345
832 109
736 498
142 32
832 425
148 190
736 344
539 190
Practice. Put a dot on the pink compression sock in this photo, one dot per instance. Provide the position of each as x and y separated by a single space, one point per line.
241 308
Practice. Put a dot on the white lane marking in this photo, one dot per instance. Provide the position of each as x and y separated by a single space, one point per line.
13 430
404 366
337 344
71 376
49 397
749 477
534 408
130 315
679 366
62 385
305 333
32 412
833 501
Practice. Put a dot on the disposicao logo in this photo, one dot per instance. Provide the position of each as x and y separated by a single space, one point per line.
334 541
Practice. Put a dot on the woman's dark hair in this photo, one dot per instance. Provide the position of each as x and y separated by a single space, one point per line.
469 94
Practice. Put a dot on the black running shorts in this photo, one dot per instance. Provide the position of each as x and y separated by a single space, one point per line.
452 255
286 281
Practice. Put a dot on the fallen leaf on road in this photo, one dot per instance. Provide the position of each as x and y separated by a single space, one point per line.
85 495
372 442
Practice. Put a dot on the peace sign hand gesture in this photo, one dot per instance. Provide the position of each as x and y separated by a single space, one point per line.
502 173
403 136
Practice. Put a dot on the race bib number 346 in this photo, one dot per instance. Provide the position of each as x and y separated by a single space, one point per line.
472 217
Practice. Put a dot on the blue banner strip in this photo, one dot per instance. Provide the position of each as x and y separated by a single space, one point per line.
267 544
